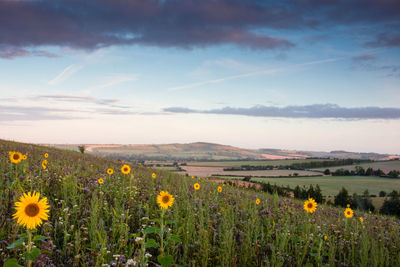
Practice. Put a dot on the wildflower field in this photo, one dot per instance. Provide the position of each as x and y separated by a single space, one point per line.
98 212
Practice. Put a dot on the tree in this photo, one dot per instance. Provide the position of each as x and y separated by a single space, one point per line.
327 172
369 171
382 194
82 149
392 206
360 170
342 198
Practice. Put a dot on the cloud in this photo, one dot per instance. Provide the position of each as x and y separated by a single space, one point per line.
93 24
364 57
250 74
65 74
8 113
317 111
11 52
386 39
113 80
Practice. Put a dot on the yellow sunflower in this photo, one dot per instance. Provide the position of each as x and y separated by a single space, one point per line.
15 157
192 177
310 205
361 220
101 181
219 189
348 205
24 157
154 175
125 169
31 211
257 201
165 200
348 213
44 163
46 155
325 237
196 186
110 171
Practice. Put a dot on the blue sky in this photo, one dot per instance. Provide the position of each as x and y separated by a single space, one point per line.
302 74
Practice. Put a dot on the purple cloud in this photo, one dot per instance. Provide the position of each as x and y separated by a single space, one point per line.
92 24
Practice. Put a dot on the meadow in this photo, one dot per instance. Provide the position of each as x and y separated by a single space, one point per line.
117 221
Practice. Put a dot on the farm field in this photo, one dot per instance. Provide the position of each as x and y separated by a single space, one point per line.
209 171
330 185
228 164
385 166
118 221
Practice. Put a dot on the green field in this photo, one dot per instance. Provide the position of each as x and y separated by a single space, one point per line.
227 164
385 166
330 185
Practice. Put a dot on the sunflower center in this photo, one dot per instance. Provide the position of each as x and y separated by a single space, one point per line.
32 210
310 205
125 169
348 213
16 156
165 199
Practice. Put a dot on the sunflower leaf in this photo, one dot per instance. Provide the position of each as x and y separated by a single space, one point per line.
39 238
12 263
32 255
166 260
151 243
16 243
172 221
174 238
150 230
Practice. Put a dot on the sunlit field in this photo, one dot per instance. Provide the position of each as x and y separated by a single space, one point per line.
98 217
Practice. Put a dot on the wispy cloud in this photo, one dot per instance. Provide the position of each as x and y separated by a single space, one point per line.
65 74
250 74
113 80
317 111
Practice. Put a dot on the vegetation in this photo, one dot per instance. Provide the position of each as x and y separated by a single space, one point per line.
116 220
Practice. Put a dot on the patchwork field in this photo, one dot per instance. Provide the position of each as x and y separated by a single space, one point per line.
330 185
385 166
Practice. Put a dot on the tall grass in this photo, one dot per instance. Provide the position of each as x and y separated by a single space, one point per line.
94 224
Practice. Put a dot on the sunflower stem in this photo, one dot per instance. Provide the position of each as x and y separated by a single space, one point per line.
162 232
29 246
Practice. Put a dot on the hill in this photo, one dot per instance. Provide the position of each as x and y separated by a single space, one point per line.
119 222
215 152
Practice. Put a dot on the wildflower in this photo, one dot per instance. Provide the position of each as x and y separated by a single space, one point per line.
165 200
325 237
192 177
219 189
132 176
370 212
31 211
138 239
15 157
46 155
310 205
125 169
131 262
101 181
348 205
44 164
196 186
154 175
348 213
361 220
24 157
110 171
257 201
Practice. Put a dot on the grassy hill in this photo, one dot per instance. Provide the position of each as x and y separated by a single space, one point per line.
118 222
212 152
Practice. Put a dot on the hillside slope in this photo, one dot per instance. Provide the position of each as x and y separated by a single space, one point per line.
115 223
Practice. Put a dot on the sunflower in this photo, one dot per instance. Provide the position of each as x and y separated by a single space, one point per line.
310 205
361 220
132 176
24 157
44 163
125 169
196 186
348 205
165 200
46 155
192 177
348 213
219 189
325 237
101 181
154 175
110 171
31 211
15 157
257 201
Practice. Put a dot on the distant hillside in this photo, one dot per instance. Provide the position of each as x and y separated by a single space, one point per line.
209 151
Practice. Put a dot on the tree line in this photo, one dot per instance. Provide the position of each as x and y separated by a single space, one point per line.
363 172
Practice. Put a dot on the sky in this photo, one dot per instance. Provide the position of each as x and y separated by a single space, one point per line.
302 74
